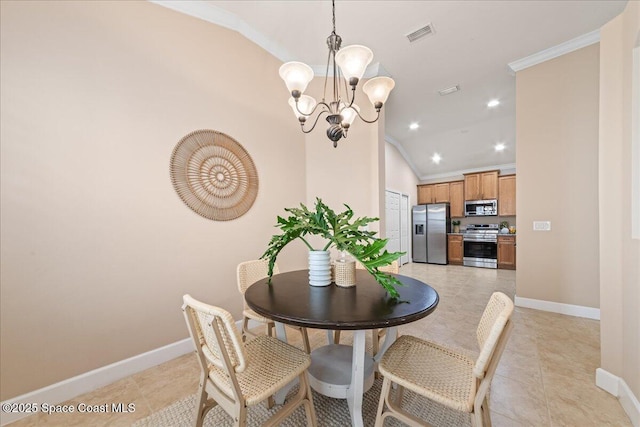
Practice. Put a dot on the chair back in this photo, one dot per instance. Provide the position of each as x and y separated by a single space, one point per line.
215 335
492 330
249 272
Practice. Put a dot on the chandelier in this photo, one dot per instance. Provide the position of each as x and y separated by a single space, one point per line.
340 107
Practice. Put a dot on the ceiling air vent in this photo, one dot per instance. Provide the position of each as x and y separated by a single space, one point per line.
427 30
449 90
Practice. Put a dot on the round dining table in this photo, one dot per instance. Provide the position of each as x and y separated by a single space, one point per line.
337 370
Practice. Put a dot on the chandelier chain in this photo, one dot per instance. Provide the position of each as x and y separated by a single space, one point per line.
333 5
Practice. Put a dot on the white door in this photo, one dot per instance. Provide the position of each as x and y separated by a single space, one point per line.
392 207
405 245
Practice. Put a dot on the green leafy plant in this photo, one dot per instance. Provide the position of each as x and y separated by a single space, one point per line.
341 231
455 222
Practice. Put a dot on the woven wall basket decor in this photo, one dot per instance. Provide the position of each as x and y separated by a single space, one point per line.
214 175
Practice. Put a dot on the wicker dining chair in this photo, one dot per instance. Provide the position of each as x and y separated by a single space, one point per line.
376 334
444 375
236 374
248 273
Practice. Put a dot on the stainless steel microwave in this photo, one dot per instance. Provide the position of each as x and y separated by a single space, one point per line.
481 208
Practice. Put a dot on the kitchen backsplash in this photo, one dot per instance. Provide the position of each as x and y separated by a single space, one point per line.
485 220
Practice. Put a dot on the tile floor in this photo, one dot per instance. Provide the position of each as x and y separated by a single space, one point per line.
545 377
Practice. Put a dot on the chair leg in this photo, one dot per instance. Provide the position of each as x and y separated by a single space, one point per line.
308 403
375 342
270 326
384 393
477 417
245 328
305 340
336 337
241 419
486 414
202 404
302 397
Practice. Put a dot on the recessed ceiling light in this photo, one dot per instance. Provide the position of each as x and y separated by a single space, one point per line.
499 146
414 126
436 158
493 103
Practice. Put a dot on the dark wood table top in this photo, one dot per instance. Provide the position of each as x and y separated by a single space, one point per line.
291 300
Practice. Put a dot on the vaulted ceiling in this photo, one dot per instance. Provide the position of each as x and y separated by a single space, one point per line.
472 45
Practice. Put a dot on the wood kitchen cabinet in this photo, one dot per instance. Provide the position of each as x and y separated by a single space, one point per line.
454 250
433 193
426 194
456 198
507 252
481 185
507 195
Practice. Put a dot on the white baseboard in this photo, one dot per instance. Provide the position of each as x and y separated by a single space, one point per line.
618 387
556 307
92 380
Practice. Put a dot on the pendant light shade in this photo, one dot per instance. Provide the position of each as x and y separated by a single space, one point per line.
353 61
305 105
296 76
378 90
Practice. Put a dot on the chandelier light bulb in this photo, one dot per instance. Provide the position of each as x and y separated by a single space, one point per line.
353 61
349 115
378 90
296 76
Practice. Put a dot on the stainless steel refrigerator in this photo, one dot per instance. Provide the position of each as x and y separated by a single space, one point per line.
431 223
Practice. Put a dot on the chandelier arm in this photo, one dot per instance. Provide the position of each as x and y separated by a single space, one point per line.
353 97
314 108
365 120
314 123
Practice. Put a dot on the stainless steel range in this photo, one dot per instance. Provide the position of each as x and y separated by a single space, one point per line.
480 242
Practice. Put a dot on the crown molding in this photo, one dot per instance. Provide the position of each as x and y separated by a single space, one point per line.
555 51
457 174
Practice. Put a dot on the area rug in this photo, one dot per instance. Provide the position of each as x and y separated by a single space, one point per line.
330 413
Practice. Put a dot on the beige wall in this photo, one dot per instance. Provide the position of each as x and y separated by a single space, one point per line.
97 248
619 253
557 162
399 176
351 172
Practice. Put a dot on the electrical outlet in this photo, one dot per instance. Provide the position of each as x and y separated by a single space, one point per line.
541 225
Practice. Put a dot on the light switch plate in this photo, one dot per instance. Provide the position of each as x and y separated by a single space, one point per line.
541 225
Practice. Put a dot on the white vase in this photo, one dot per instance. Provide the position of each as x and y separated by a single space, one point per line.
319 268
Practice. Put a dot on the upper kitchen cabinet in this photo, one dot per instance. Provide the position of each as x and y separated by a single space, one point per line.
507 195
433 193
456 198
425 194
481 186
441 192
